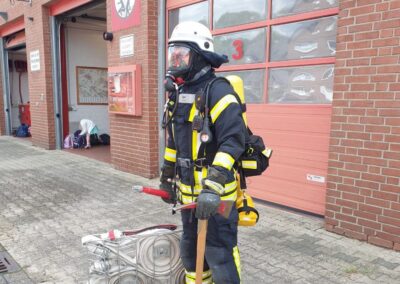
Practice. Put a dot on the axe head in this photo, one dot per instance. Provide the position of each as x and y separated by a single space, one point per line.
225 208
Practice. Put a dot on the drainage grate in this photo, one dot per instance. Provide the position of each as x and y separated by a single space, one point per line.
7 263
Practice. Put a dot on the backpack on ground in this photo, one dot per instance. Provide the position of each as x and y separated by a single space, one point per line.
68 141
105 139
79 140
94 140
22 131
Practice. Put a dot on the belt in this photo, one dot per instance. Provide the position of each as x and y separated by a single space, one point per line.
188 163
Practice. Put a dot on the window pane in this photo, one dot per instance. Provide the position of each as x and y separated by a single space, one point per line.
228 13
284 8
253 81
242 47
196 12
307 39
301 85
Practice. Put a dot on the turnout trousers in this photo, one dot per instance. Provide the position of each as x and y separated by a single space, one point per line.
222 261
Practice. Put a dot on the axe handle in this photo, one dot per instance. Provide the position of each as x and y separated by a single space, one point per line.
201 248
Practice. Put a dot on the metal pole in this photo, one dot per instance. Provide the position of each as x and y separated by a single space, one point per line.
55 56
6 86
161 74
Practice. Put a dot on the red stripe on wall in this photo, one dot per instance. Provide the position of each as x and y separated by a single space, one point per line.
12 27
63 6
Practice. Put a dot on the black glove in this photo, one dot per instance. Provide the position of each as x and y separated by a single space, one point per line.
166 178
207 204
168 187
215 180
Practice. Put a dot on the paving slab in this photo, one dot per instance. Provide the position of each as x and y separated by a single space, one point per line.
49 200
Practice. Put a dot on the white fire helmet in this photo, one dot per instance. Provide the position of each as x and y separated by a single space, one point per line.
193 32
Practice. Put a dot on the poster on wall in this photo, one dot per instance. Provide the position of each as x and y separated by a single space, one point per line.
91 85
125 14
35 60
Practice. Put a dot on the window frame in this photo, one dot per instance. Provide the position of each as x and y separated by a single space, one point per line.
267 23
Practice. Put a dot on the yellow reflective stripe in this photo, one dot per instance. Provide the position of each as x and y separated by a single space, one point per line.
221 105
267 152
199 176
249 164
224 160
193 112
190 277
186 196
236 258
195 144
170 154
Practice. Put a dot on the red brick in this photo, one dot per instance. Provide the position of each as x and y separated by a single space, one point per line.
392 213
351 226
380 242
364 70
377 202
381 25
388 236
356 235
383 78
346 203
384 60
370 209
385 195
369 224
371 17
376 145
359 28
362 10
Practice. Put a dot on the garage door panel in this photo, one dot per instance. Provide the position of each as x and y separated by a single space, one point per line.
271 109
307 197
278 122
294 173
299 162
300 154
299 136
293 140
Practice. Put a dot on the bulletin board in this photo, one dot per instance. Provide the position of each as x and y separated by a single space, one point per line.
91 85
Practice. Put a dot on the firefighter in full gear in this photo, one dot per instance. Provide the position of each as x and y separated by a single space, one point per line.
205 140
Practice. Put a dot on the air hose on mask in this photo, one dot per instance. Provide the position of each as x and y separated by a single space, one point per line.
172 87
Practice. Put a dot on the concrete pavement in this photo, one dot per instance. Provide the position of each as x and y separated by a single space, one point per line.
50 199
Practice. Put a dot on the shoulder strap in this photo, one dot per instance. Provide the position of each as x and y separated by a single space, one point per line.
208 88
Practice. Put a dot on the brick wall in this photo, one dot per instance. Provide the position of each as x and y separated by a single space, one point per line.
134 146
363 193
40 82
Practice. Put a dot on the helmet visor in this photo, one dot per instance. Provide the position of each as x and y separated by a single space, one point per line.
179 58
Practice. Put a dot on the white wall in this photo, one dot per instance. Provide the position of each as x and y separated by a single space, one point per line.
14 88
85 47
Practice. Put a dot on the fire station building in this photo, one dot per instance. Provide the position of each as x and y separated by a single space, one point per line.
321 82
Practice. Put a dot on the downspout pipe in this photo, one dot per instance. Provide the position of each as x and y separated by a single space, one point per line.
161 75
6 86
55 56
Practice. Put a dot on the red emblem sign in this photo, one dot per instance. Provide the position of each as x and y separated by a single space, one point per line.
125 14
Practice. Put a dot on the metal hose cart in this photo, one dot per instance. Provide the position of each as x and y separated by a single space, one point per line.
146 256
